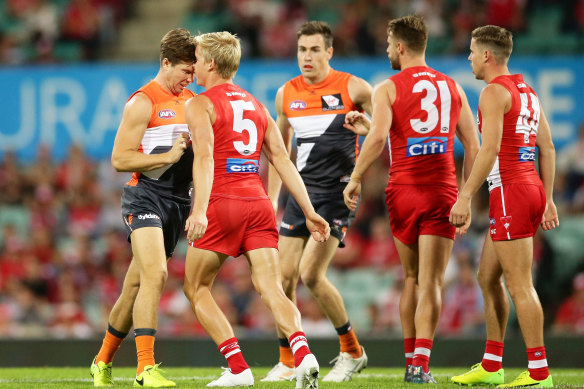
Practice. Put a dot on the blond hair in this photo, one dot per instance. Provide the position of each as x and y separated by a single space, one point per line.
497 40
223 48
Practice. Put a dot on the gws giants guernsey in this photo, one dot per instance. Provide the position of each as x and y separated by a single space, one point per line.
515 161
326 150
421 137
239 130
166 123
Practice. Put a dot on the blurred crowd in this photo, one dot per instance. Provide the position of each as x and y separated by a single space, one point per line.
41 31
64 253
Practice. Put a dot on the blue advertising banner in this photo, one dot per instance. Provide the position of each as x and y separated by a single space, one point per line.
61 105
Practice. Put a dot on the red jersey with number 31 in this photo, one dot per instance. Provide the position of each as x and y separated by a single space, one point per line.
239 130
515 161
421 139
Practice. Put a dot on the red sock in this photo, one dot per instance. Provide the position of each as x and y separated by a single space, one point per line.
409 346
299 346
422 353
493 357
232 353
538 367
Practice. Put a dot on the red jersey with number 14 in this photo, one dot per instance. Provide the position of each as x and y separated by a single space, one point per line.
421 139
239 130
515 161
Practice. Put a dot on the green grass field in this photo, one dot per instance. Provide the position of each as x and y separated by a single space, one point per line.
386 378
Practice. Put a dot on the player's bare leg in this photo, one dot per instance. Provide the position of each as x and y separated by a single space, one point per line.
290 253
150 258
121 314
266 277
408 302
516 258
496 301
201 268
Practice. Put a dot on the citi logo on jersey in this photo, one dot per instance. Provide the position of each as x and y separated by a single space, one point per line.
427 146
297 105
526 154
166 114
237 165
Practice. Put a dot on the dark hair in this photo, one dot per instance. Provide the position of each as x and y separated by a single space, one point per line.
497 39
411 30
314 28
178 45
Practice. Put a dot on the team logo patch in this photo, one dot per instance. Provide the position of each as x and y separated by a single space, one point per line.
526 154
427 146
297 105
332 102
506 220
166 114
492 221
237 165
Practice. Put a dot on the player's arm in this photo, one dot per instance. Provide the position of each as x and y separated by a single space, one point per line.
276 152
547 169
468 136
125 154
274 181
360 93
374 143
200 115
494 102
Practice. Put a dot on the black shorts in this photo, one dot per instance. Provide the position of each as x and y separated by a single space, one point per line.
146 208
331 206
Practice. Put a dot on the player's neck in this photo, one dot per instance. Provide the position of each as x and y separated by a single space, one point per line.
214 80
318 78
160 80
411 61
495 72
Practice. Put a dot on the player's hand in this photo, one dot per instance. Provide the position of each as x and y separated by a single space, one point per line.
196 226
351 194
464 228
460 213
550 220
318 227
357 122
178 148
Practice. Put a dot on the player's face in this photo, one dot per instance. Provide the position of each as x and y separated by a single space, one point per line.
200 68
313 58
179 76
475 60
392 53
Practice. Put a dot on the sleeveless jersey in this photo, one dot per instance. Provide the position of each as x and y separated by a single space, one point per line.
515 161
326 150
421 138
239 130
166 123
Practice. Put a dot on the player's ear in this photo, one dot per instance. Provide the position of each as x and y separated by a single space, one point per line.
330 51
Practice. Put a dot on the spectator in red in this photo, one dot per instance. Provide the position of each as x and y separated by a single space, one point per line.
570 316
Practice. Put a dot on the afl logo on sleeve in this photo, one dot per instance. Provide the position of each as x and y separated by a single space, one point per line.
332 102
166 114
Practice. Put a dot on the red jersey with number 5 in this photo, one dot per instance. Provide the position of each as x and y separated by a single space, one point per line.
239 130
515 161
421 138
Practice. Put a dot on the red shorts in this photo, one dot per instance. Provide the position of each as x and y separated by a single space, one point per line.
416 210
515 211
239 225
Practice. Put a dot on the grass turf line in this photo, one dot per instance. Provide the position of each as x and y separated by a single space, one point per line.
187 377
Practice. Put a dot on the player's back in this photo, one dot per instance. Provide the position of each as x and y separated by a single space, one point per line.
515 161
166 123
239 131
425 115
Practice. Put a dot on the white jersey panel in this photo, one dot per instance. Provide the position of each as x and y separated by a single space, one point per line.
494 178
164 137
311 126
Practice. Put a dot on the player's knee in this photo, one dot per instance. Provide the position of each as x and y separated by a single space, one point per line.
311 280
156 277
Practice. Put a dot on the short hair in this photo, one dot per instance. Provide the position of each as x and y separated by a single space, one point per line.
497 39
178 45
316 28
222 47
411 30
